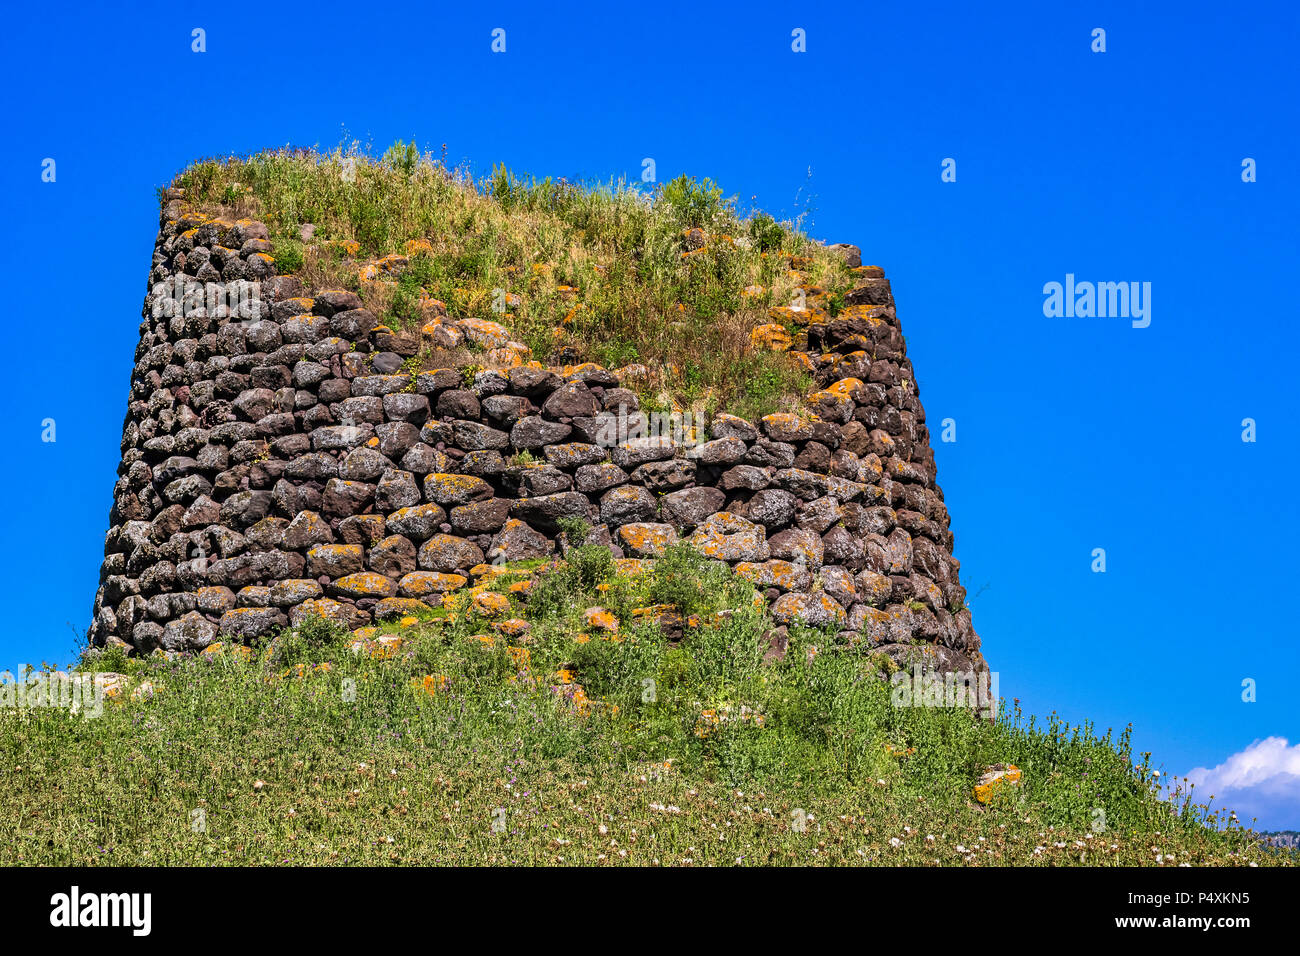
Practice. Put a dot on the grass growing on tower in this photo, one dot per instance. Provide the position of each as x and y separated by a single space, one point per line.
604 271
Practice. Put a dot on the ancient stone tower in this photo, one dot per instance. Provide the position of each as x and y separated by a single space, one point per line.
280 460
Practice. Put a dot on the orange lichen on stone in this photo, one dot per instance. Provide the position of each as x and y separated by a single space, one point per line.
569 371
844 387
400 607
772 337
482 332
647 538
490 604
423 583
600 619
380 648
995 778
513 627
505 357
365 584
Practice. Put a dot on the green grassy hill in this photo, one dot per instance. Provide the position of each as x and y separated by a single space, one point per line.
610 730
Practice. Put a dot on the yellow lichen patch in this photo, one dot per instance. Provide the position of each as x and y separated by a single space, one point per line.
829 400
600 619
402 607
771 337
632 374
580 702
646 539
364 584
482 332
426 303
803 360
380 648
633 567
414 246
455 489
388 265
654 610
490 604
706 723
996 777
420 584
505 357
789 315
432 683
512 627
569 371
845 387
349 247
487 640
785 575
521 587
220 649
873 315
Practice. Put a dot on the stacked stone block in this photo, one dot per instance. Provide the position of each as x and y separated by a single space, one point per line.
278 462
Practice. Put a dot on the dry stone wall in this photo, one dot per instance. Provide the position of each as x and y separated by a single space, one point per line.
278 461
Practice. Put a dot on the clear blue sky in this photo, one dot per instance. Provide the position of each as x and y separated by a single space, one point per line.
1073 433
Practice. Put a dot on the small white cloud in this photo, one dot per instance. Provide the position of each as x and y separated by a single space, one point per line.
1261 782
